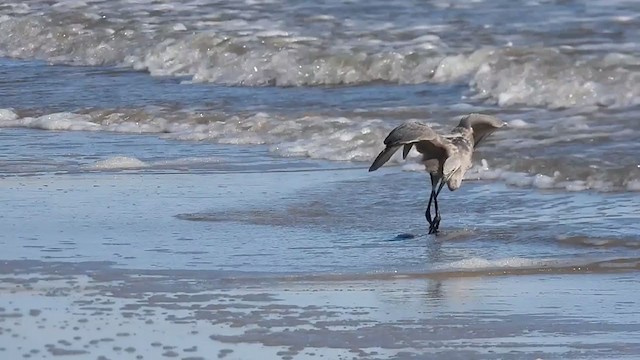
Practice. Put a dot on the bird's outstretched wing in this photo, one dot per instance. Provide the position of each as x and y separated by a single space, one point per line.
407 134
482 125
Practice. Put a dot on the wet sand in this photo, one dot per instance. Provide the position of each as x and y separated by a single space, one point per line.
298 264
91 310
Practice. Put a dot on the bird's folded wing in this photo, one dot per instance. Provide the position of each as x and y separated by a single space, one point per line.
406 135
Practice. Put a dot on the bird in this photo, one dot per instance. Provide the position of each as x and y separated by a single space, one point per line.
445 157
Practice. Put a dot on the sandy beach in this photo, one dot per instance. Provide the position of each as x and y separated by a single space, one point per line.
189 180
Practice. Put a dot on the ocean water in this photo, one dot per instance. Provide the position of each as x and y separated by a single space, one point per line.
230 141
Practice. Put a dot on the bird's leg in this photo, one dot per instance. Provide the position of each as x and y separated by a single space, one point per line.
435 180
433 229
427 213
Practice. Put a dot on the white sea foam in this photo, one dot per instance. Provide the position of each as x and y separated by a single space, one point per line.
556 80
242 46
351 138
131 162
185 161
519 124
119 162
605 183
56 121
543 181
7 115
633 185
477 263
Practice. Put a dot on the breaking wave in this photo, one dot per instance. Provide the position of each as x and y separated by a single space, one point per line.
356 138
229 49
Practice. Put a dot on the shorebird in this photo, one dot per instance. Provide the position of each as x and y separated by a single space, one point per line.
445 157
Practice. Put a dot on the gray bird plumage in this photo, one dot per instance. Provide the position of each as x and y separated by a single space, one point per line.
446 157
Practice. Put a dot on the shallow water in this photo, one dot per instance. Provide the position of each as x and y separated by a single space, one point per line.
248 211
221 148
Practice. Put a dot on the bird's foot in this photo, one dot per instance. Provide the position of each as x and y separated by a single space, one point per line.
434 225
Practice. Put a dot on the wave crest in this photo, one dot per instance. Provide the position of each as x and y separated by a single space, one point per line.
237 54
357 138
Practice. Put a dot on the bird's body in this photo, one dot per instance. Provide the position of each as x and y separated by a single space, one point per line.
446 157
